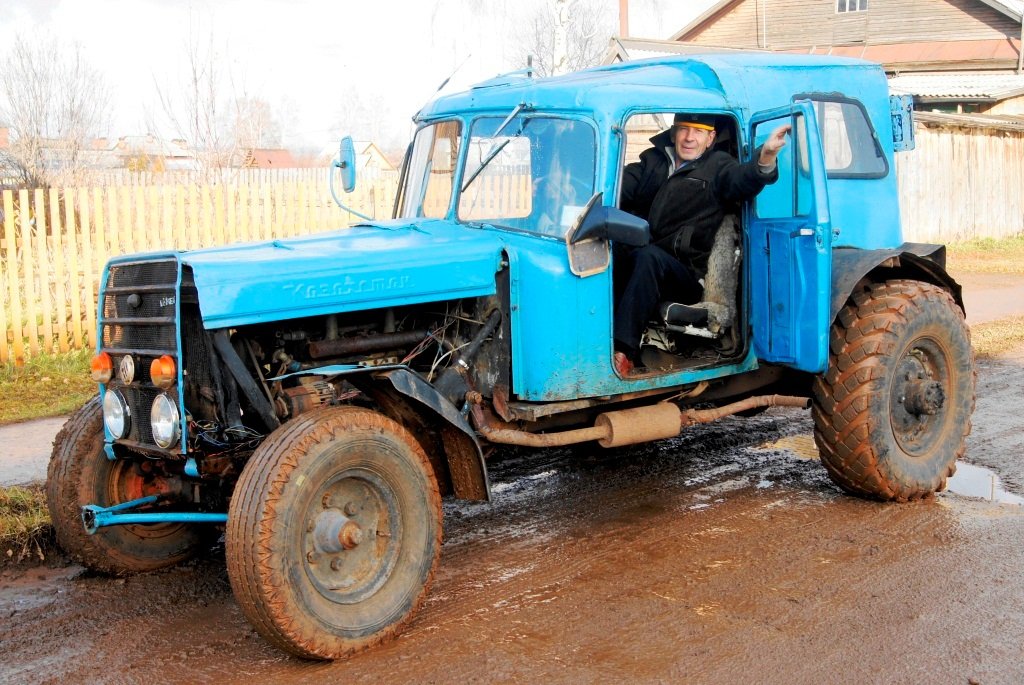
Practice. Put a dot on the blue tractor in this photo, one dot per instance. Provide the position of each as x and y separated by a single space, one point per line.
316 397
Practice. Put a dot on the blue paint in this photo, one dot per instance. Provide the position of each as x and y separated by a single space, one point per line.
561 324
95 517
343 271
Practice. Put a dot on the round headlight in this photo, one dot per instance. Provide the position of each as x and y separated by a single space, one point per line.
164 420
116 415
126 369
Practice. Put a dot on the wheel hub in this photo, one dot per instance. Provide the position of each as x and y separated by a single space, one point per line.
924 397
352 536
334 532
918 397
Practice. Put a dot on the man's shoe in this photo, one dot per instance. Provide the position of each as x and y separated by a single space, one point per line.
623 365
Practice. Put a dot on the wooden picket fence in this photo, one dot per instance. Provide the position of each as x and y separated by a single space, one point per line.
54 243
964 181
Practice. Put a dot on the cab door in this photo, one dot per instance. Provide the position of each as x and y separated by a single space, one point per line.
790 246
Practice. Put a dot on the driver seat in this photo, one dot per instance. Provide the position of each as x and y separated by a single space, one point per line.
713 316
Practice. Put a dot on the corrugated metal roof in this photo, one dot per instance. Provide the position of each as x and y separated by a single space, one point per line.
959 85
1001 122
628 49
901 55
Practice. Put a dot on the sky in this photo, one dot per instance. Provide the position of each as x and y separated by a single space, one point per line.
318 63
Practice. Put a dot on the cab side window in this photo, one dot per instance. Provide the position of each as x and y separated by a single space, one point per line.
849 143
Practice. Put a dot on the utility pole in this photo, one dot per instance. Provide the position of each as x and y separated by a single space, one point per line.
623 18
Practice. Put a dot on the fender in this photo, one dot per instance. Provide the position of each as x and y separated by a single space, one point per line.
920 261
462 449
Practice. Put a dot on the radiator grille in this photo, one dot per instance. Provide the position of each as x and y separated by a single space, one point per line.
138 319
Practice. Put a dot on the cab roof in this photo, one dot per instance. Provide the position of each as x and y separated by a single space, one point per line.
742 82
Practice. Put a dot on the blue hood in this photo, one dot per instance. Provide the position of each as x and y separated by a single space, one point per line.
364 267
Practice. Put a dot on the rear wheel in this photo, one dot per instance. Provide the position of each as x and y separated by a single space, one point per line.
334 532
893 410
80 473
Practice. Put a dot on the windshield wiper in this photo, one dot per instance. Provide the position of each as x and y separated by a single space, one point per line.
487 160
495 149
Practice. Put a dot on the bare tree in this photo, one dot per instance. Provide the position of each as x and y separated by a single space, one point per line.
54 103
255 124
196 106
359 114
566 35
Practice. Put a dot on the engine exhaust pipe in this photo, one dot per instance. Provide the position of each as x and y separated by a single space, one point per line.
631 426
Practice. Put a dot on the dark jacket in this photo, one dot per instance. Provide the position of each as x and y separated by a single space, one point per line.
685 209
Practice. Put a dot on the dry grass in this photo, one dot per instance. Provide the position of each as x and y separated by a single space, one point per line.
987 256
48 385
996 337
25 529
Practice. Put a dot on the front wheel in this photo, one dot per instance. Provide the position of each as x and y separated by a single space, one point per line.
334 532
893 410
80 473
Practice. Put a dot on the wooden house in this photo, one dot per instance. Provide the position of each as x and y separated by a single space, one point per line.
953 55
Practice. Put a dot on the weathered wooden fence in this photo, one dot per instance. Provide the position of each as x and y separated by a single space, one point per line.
54 243
961 182
965 180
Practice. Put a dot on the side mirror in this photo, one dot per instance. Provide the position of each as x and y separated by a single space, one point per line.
610 223
347 163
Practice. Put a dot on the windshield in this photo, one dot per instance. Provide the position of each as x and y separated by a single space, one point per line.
535 175
428 185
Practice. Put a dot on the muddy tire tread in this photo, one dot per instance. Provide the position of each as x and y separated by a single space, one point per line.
77 444
253 510
864 336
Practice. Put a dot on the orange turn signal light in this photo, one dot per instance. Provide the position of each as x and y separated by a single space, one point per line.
162 372
101 368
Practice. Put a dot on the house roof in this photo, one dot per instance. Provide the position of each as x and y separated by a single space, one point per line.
986 54
927 55
149 145
959 85
269 159
366 151
1011 8
626 49
1002 122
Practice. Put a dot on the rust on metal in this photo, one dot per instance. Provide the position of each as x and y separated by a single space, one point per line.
691 417
626 427
321 349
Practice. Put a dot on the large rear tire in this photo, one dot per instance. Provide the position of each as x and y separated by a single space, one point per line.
334 532
893 410
79 473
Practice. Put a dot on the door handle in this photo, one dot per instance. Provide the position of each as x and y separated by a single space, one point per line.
806 231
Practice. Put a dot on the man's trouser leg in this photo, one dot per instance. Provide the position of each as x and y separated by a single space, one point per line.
655 275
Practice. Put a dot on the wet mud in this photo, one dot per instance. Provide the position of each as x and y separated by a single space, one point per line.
724 555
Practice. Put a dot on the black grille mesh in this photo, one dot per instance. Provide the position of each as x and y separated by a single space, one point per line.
151 304
163 272
196 344
155 304
157 338
140 400
141 337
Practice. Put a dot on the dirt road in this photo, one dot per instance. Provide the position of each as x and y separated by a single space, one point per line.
725 555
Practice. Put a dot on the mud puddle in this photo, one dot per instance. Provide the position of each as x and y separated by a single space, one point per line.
982 483
972 481
706 558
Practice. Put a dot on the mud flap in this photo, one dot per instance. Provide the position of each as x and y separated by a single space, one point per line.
462 450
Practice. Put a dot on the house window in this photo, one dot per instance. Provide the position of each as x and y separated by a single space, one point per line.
851 6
